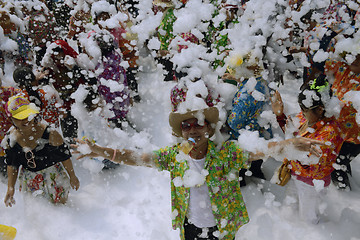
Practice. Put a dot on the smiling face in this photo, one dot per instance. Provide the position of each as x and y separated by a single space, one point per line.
191 128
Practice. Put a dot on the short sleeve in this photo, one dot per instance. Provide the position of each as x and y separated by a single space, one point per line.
11 157
164 157
233 156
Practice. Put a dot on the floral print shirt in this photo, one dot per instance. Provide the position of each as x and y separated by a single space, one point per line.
345 81
328 131
165 31
246 109
226 199
113 85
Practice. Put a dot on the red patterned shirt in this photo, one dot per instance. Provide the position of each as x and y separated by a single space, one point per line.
345 81
328 131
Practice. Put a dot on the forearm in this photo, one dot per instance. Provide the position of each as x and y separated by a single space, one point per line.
69 167
272 150
12 176
124 156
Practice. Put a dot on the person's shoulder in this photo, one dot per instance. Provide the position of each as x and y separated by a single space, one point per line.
169 149
330 125
55 138
226 145
10 138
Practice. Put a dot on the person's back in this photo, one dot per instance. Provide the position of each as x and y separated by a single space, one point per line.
112 80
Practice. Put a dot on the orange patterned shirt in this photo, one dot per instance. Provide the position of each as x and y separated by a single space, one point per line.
345 81
326 130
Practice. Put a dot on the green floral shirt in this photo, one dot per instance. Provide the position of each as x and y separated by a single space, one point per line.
165 31
226 199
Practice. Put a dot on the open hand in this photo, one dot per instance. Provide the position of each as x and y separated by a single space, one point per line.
74 183
308 145
9 198
277 104
86 143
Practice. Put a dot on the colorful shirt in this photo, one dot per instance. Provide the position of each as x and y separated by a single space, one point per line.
50 110
5 123
123 39
328 131
217 36
344 81
113 86
165 30
226 199
246 109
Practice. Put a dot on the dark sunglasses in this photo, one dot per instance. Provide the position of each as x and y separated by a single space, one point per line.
186 126
305 109
30 157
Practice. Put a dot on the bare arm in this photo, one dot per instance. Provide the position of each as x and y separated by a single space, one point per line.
124 156
55 139
12 176
301 143
74 181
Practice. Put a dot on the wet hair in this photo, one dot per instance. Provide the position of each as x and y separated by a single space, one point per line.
105 43
97 15
315 93
25 77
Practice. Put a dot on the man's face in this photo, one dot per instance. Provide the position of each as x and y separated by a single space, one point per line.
199 131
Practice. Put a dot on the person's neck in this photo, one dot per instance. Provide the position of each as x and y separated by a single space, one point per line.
199 152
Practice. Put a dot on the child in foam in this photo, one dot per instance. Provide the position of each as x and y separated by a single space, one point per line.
206 202
46 169
311 176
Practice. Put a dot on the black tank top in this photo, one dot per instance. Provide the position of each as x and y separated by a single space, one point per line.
45 154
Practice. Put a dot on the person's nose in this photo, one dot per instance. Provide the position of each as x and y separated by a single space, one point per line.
192 130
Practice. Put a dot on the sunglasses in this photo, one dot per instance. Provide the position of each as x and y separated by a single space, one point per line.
186 126
305 109
30 157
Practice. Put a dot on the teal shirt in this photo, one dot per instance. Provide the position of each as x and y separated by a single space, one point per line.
226 199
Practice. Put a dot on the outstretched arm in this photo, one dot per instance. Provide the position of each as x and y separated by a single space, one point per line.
124 156
300 143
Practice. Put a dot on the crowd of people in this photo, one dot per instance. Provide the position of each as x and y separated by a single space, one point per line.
51 53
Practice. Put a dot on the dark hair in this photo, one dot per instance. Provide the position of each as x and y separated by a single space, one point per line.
57 49
98 14
90 97
314 93
25 77
307 16
106 47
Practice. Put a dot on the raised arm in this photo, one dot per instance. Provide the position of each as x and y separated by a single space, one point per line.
277 107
